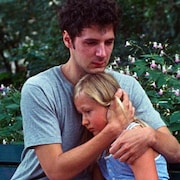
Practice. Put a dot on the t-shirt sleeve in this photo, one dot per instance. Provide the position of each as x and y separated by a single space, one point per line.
39 121
143 106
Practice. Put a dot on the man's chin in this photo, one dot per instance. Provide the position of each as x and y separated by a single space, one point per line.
96 70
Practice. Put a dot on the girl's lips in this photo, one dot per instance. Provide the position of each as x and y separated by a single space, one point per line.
90 129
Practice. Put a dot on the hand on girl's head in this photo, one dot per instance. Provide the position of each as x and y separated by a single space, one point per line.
119 93
121 111
129 110
116 115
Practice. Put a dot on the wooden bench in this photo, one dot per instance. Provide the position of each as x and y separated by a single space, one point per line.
10 158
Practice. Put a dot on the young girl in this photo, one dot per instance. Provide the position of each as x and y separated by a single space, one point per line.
92 97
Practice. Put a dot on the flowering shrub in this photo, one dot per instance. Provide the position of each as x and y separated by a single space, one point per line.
154 65
10 116
157 68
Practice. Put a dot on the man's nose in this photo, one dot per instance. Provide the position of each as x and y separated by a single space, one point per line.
101 50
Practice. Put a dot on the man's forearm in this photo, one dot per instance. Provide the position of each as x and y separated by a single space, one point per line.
65 165
77 159
166 144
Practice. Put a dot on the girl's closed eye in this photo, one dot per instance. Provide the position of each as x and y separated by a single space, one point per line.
87 111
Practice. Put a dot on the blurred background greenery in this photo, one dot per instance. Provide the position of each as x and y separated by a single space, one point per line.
29 33
30 42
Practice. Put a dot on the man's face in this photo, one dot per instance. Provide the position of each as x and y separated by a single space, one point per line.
92 49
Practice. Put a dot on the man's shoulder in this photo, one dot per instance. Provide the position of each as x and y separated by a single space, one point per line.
126 82
42 77
121 78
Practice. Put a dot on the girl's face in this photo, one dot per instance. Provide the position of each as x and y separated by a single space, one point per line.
93 114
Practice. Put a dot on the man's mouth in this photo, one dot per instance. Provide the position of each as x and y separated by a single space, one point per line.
99 63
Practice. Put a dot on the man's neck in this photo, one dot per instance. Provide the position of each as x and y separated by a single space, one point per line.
71 73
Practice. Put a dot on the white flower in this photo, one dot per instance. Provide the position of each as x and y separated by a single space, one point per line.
160 92
147 74
135 75
131 59
177 93
153 84
4 141
162 53
127 70
127 44
160 46
155 45
121 71
164 70
153 64
178 73
169 69
177 59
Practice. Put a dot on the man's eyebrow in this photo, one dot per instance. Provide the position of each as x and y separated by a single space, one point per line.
90 39
110 39
93 39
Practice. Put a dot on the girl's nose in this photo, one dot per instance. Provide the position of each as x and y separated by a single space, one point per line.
85 122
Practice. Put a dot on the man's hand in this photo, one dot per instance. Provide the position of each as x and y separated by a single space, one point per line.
131 144
128 108
120 111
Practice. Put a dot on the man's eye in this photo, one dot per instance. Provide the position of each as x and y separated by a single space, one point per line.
91 43
109 42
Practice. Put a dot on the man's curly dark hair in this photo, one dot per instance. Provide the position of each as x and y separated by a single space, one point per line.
74 15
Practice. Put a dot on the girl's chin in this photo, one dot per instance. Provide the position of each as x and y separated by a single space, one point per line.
95 133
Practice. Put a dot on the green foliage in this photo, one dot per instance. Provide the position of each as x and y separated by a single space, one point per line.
30 36
157 68
31 42
10 116
30 39
151 20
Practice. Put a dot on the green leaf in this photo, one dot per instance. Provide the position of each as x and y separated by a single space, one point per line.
158 59
175 117
174 127
13 106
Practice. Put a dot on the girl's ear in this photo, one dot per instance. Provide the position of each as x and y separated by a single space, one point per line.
67 40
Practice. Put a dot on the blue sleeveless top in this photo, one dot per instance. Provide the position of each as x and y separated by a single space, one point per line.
113 169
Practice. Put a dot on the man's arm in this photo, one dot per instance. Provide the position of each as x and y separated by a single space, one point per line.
65 165
130 146
166 144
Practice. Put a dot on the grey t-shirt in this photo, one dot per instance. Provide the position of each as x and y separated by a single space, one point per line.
49 116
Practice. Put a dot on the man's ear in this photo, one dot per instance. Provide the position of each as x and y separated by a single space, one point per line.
67 40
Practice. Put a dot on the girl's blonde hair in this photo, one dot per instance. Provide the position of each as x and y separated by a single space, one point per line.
101 87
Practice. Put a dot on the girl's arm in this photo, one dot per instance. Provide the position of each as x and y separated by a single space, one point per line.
144 167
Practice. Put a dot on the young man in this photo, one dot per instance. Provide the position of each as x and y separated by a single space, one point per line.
52 126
